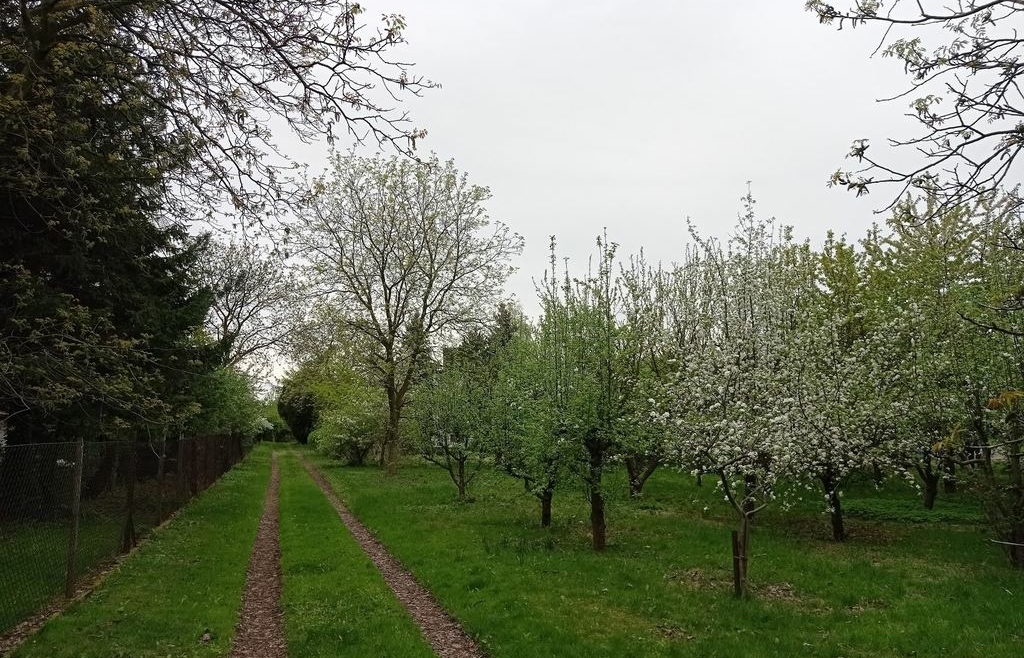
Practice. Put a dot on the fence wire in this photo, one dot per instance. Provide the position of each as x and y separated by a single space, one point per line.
67 509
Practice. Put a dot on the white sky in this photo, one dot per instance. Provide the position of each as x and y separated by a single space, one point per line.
581 115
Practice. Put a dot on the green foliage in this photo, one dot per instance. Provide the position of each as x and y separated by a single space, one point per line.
102 335
273 428
454 406
350 413
297 406
227 404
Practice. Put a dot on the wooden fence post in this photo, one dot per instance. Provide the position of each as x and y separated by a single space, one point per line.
76 508
737 571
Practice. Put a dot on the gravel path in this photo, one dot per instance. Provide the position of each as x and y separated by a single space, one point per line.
444 634
260 631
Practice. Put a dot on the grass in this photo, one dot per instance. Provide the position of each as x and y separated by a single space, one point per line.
898 588
186 580
336 604
35 553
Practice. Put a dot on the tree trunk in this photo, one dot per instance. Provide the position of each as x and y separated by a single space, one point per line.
835 505
545 507
949 481
1015 547
931 486
640 468
391 434
461 479
740 546
597 520
160 467
877 475
930 477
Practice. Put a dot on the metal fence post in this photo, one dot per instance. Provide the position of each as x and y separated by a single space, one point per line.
76 508
128 535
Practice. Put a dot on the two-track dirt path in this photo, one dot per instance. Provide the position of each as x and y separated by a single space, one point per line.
445 635
260 630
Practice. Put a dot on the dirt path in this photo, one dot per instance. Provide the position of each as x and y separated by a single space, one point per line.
260 631
444 634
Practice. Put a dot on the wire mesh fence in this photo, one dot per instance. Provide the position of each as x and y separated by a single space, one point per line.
66 509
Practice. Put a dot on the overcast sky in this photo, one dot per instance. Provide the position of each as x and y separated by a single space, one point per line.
635 116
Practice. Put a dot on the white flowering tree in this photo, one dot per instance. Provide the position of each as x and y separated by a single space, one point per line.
728 405
845 368
648 361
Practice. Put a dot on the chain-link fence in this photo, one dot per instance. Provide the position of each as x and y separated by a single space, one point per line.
66 509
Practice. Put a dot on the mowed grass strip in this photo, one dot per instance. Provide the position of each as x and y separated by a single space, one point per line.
180 594
663 588
336 603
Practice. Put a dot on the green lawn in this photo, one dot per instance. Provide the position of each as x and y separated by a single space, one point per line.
186 579
927 588
35 553
336 604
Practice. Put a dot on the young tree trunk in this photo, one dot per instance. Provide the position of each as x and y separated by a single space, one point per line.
740 546
640 468
545 507
877 475
597 520
460 479
831 485
931 491
931 485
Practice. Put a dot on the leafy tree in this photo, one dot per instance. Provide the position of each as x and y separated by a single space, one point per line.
525 431
350 413
726 404
257 305
451 410
844 365
217 71
964 94
587 384
406 255
227 405
106 331
297 405
963 376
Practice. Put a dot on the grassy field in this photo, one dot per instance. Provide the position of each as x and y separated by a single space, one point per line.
336 604
908 583
185 580
35 553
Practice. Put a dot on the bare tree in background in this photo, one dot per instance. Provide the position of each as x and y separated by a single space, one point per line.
407 255
258 305
964 94
223 71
